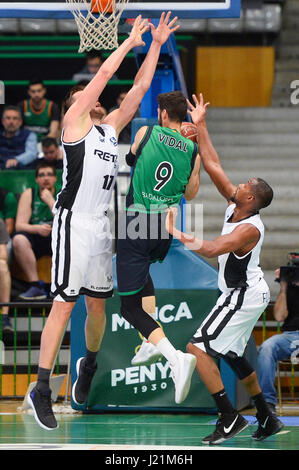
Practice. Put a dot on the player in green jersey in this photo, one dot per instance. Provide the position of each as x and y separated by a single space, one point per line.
165 168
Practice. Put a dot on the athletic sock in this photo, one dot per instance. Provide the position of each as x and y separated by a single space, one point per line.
261 405
43 379
223 403
167 350
91 359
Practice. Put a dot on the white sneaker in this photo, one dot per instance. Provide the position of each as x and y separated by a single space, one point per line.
181 374
147 354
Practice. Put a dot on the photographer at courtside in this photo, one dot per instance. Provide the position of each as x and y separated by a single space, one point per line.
285 345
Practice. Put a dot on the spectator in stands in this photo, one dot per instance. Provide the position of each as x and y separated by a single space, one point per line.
281 346
18 146
8 209
34 225
51 153
40 115
94 60
5 278
125 135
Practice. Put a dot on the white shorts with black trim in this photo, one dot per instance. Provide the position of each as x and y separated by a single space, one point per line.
227 328
82 256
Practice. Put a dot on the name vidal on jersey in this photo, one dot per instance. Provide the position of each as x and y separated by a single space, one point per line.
172 142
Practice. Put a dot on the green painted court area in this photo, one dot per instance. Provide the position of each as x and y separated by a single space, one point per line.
128 431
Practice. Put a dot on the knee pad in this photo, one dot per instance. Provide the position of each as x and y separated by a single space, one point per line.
239 365
132 311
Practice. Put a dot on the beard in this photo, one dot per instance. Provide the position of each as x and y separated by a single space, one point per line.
233 198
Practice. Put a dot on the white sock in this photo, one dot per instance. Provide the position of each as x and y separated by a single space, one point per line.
168 351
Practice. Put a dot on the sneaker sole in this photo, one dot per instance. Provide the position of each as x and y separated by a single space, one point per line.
74 386
30 403
223 439
39 297
189 372
149 361
266 437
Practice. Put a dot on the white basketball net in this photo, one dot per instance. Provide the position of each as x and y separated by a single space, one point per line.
97 22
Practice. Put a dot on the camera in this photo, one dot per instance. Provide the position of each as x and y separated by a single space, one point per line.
290 273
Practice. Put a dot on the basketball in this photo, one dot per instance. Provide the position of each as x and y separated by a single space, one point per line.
189 130
102 6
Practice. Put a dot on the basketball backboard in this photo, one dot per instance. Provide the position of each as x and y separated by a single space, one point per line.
153 9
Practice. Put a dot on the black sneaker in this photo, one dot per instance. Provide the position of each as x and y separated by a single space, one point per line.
81 387
41 404
6 324
267 427
227 426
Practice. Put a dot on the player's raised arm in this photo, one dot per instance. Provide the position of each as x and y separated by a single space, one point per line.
210 158
122 116
89 96
241 240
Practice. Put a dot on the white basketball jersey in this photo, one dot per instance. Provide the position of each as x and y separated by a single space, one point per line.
235 271
90 168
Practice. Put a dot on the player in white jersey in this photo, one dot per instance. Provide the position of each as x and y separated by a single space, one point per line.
244 293
81 243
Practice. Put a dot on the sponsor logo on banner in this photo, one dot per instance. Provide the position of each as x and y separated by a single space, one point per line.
151 377
166 314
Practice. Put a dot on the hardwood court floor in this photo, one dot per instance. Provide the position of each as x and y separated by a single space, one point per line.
129 431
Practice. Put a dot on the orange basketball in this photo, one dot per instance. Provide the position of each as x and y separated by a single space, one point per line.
189 130
101 6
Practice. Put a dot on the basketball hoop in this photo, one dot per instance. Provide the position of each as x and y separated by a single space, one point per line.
97 22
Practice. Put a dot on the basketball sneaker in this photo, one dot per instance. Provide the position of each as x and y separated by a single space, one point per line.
81 387
41 404
181 374
267 427
228 425
147 354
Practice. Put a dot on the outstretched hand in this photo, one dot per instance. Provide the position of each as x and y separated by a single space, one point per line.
164 29
139 28
199 111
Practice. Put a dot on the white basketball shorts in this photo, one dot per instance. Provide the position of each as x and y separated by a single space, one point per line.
227 328
82 256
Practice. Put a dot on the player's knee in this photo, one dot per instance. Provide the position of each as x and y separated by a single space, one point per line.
132 311
240 366
95 307
190 348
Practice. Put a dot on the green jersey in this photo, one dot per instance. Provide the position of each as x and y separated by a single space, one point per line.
163 164
8 204
39 122
41 213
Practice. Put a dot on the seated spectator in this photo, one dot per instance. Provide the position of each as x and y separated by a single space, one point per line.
125 135
40 115
94 60
8 209
280 346
51 153
5 278
34 225
18 146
